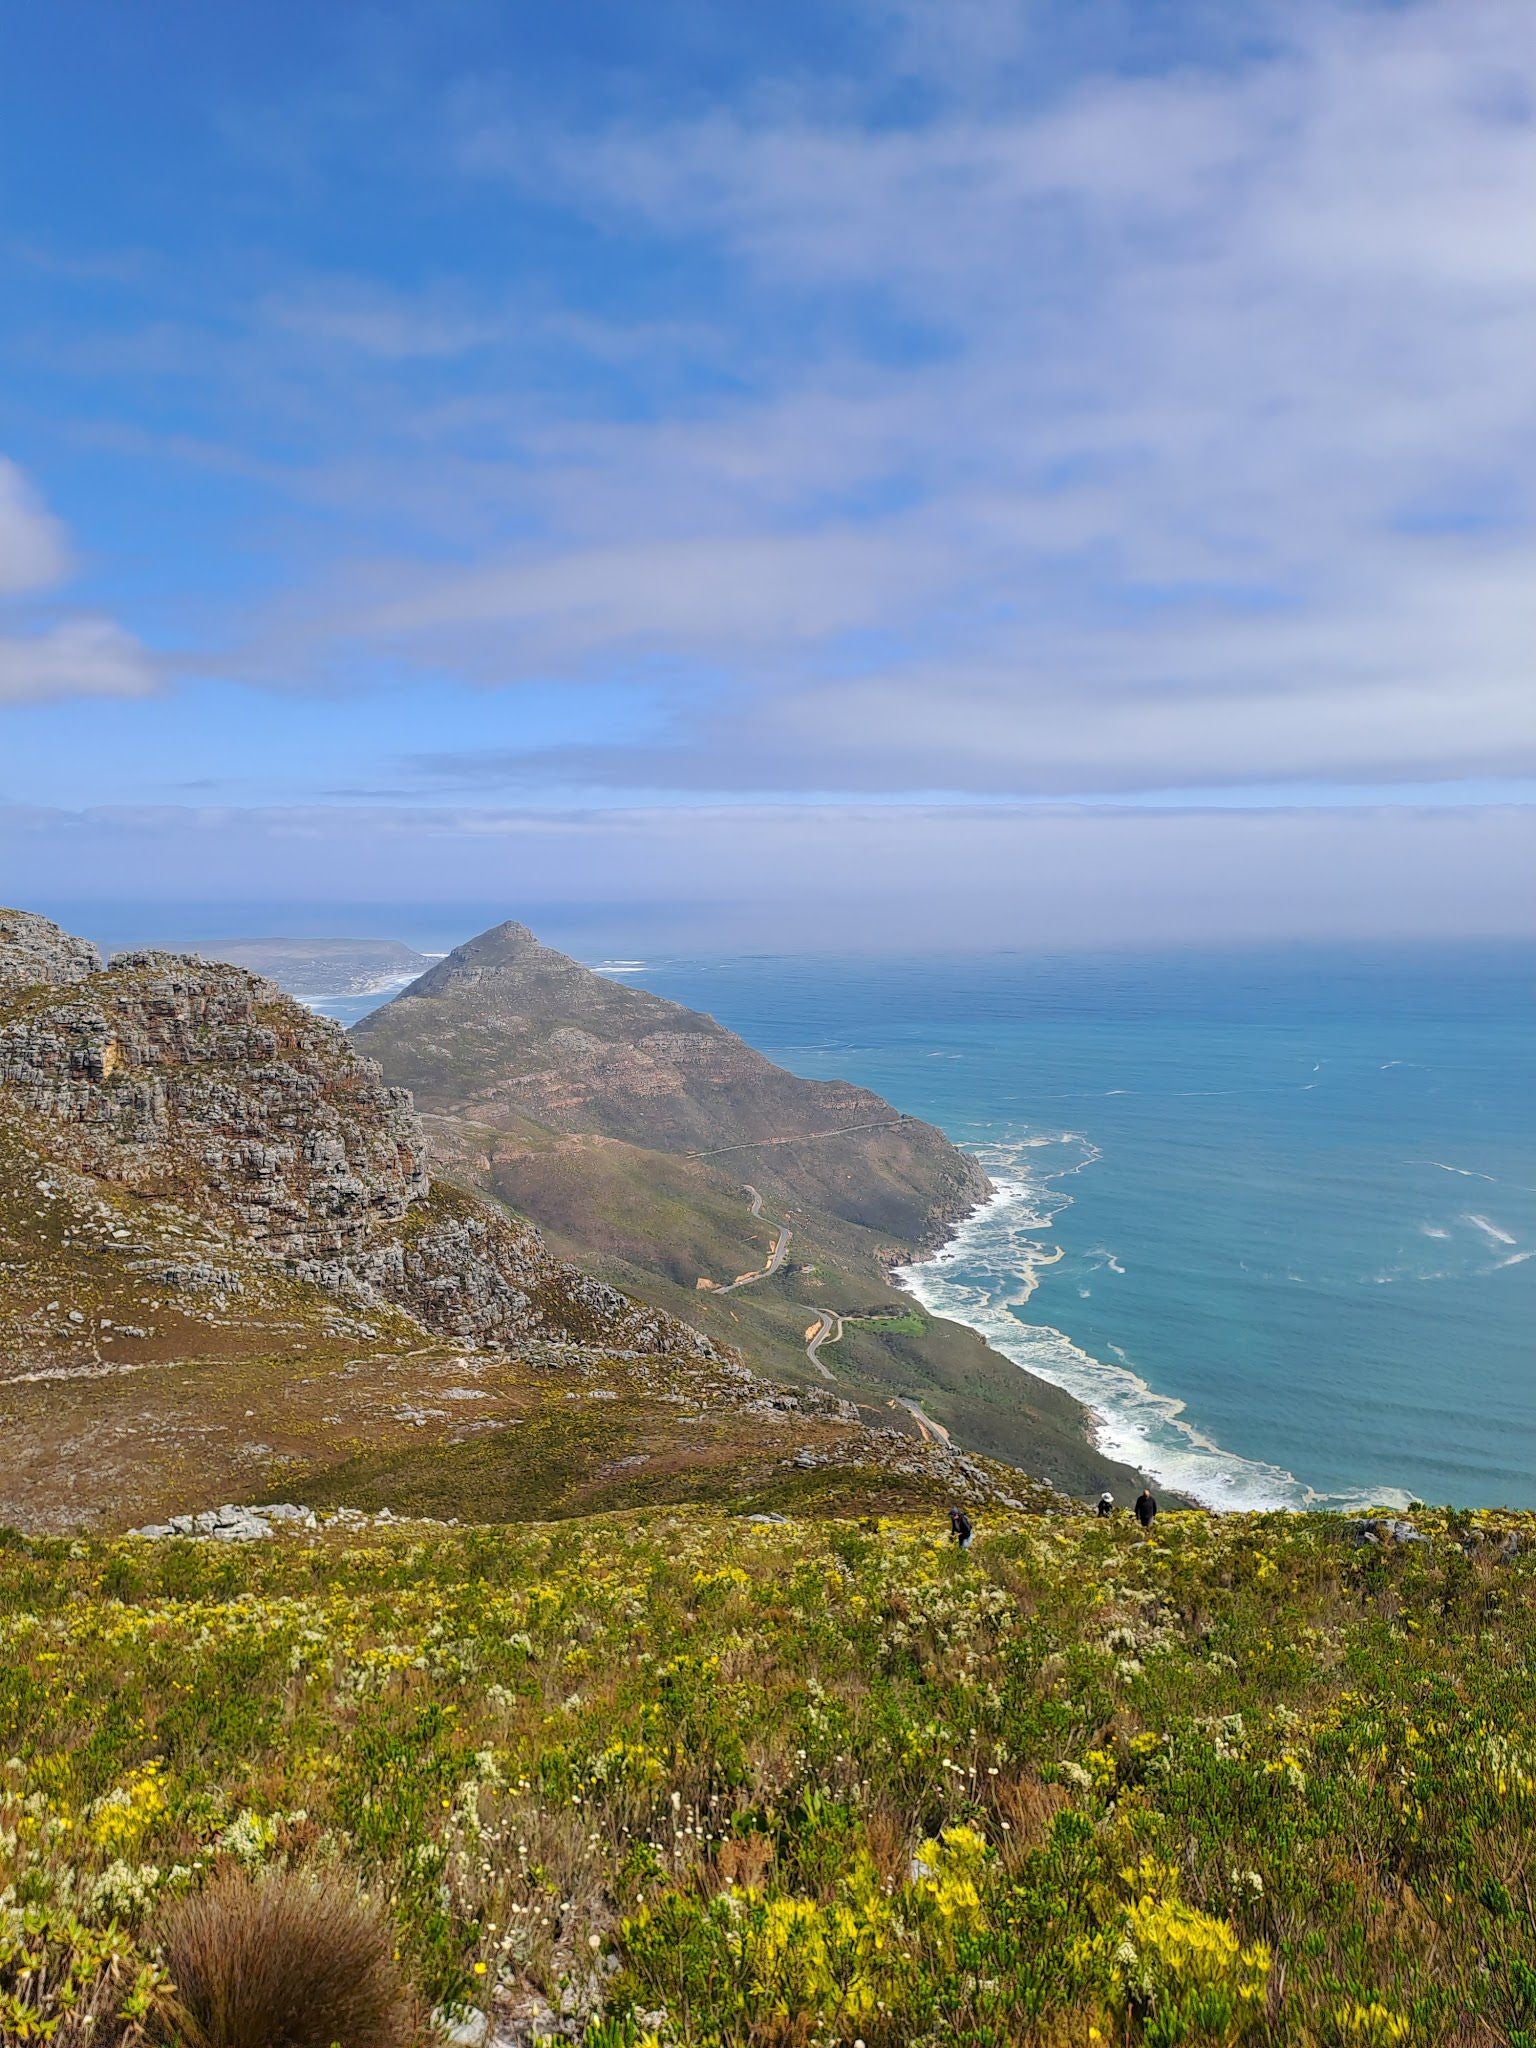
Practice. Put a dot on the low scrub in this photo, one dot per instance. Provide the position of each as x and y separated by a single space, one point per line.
678 1779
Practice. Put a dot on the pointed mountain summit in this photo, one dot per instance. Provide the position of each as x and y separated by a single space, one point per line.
507 1027
503 946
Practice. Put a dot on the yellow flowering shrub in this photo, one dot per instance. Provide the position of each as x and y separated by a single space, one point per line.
120 1820
690 1779
788 1959
1371 2026
947 1874
1185 1975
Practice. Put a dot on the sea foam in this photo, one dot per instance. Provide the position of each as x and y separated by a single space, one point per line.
1488 1229
992 1268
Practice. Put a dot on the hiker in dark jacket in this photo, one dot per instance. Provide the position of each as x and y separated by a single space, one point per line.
1146 1507
960 1527
1106 1503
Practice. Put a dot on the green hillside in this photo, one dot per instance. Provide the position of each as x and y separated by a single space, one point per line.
678 1776
659 1151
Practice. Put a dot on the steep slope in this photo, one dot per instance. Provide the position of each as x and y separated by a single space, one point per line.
661 1150
224 1268
173 1079
504 1026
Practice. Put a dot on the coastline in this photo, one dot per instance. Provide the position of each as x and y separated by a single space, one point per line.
378 985
946 1245
1123 1419
349 1006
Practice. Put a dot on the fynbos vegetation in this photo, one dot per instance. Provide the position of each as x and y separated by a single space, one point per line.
680 1778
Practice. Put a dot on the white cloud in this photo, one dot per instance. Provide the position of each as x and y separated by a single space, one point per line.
33 550
988 420
1215 462
750 594
79 657
49 657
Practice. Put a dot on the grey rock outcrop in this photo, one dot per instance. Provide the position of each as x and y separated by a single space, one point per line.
1394 1530
35 952
164 1070
465 1272
230 1524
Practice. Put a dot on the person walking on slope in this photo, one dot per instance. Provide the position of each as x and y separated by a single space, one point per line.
1106 1504
960 1527
1146 1508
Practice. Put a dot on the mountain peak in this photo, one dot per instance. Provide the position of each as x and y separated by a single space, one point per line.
497 963
498 947
509 936
505 1027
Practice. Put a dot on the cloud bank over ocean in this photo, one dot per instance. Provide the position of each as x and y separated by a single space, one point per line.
824 877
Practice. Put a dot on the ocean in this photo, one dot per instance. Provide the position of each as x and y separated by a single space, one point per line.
1271 1216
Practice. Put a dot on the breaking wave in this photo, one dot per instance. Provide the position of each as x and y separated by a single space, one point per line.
992 1268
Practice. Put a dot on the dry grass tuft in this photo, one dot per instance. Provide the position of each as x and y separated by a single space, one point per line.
284 1961
1026 1808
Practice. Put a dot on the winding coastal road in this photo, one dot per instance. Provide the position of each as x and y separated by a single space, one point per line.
889 1123
828 1327
775 1260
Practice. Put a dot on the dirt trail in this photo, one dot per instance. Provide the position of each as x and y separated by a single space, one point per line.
889 1123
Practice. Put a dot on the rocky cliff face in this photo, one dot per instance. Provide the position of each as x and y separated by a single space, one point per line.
204 1086
33 950
173 1077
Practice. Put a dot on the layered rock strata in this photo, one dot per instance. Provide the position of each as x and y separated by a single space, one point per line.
34 950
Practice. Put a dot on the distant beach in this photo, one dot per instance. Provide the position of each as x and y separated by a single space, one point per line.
349 1006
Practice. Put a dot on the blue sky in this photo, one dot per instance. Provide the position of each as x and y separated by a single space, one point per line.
895 462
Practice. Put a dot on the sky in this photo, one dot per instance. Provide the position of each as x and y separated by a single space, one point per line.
906 472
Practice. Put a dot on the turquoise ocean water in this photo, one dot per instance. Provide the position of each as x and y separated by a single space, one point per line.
1272 1216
